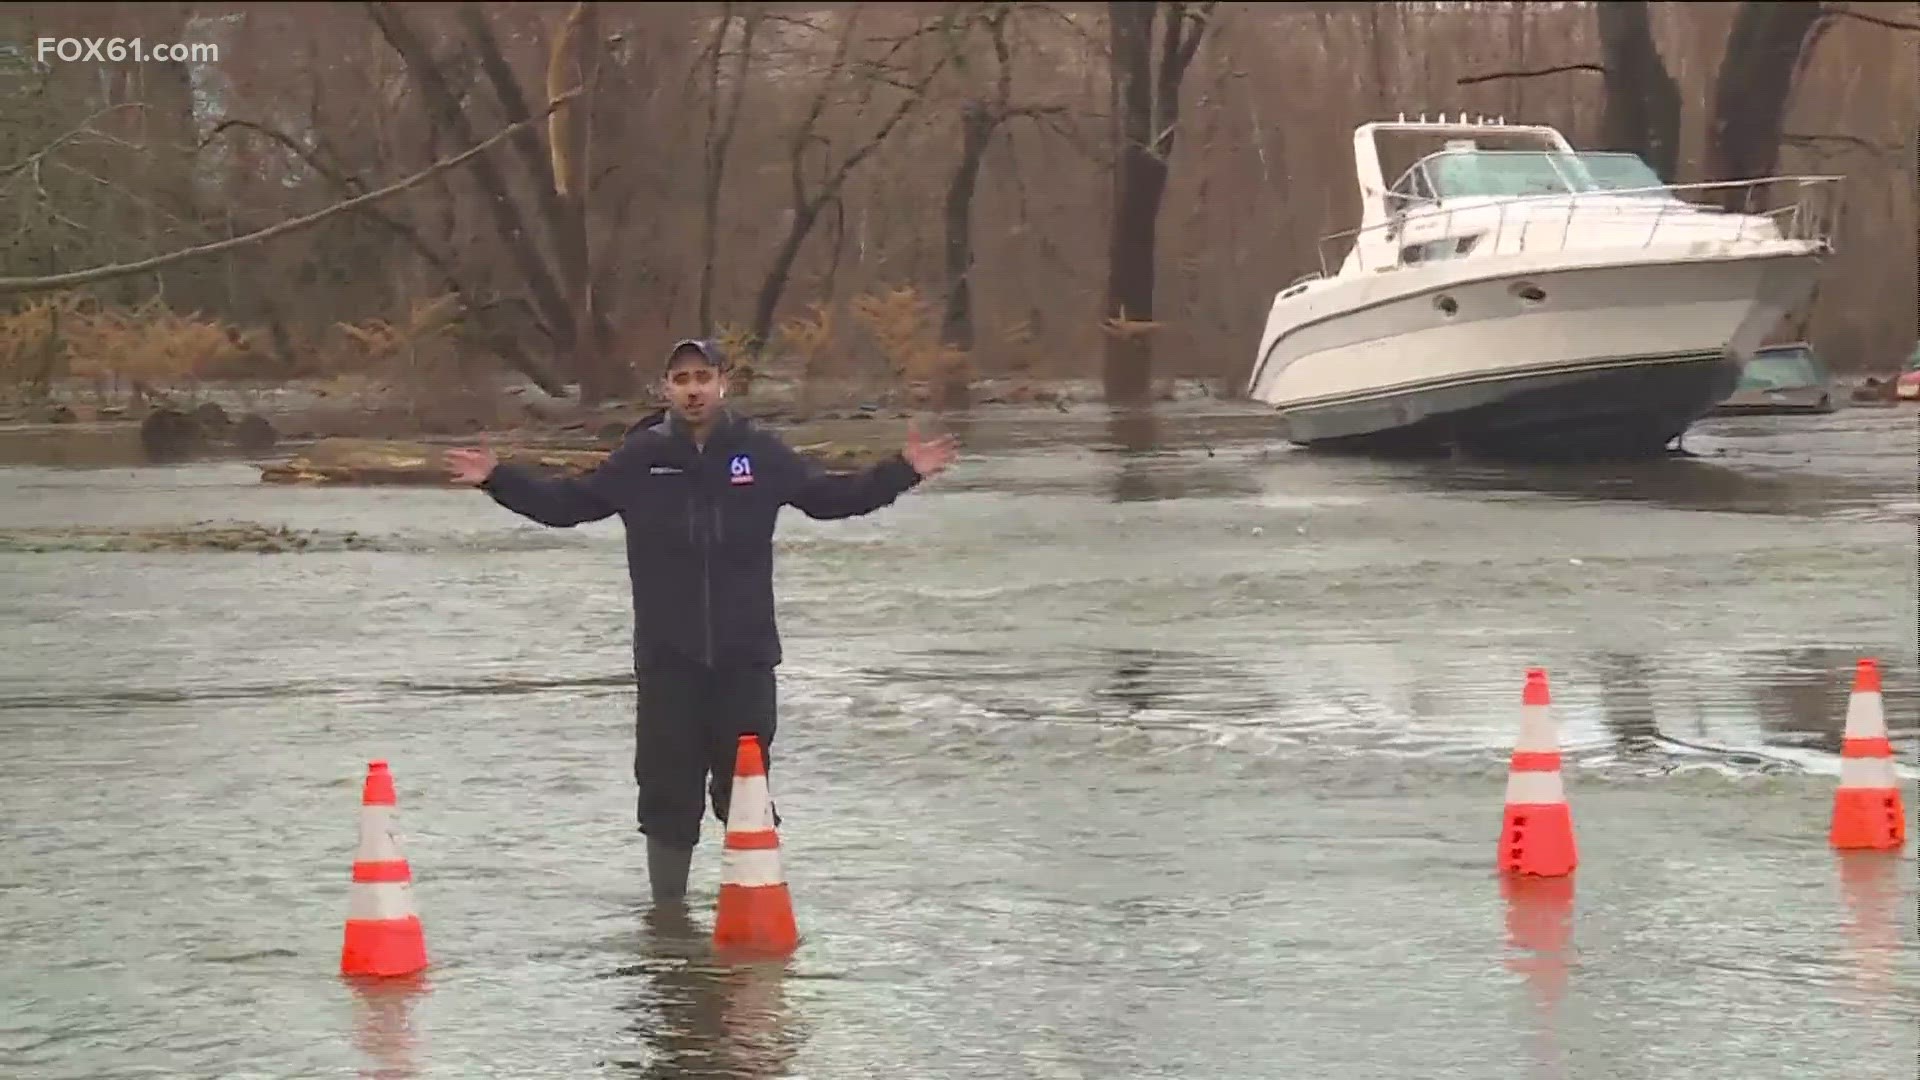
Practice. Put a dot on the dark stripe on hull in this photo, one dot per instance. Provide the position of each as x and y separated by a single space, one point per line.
1618 408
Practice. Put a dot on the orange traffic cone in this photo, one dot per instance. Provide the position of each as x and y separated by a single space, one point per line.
1867 812
383 931
755 914
1536 833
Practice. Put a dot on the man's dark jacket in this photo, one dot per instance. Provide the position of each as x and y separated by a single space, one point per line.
700 526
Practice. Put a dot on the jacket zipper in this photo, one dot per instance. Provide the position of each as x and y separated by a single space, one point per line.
706 556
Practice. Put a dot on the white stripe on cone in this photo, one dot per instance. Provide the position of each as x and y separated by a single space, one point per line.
752 867
1865 720
379 900
1537 731
1868 772
376 835
750 809
1534 788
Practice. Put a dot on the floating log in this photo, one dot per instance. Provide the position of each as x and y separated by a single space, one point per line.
375 461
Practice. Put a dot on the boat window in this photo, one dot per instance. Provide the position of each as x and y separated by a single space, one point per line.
1506 174
1412 187
1458 174
1611 171
1445 248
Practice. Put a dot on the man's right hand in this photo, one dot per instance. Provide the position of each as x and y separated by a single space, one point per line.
471 465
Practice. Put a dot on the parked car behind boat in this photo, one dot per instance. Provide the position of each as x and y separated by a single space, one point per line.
1907 386
1782 379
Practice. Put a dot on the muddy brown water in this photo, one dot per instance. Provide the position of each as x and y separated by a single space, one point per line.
1162 764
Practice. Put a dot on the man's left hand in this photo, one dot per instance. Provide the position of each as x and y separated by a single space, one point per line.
932 457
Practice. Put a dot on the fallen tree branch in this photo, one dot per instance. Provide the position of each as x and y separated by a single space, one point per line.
1890 24
1469 80
10 286
1848 140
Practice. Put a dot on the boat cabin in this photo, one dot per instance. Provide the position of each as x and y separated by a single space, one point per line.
1457 181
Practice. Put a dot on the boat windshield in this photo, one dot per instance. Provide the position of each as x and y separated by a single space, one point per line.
1506 174
1612 171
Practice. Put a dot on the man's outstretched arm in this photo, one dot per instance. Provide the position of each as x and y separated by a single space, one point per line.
820 494
560 501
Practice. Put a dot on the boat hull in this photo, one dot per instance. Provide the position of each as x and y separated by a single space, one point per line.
1541 360
1628 407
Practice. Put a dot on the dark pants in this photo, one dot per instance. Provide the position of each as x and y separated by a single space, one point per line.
686 734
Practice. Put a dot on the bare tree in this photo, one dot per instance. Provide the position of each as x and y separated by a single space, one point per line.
1643 102
431 82
1147 118
809 199
1765 53
719 136
980 118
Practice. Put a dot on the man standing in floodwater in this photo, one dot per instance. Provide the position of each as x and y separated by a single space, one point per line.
699 493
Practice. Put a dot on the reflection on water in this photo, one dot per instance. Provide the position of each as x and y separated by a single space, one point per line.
1877 890
1795 699
1677 484
1626 702
1133 682
694 1017
1539 922
383 1025
1539 913
1804 697
1149 468
105 446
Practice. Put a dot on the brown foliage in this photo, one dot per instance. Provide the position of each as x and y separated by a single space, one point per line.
147 346
906 330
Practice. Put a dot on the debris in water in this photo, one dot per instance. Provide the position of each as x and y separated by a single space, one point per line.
199 536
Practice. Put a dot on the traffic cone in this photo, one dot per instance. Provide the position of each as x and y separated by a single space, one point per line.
1536 833
755 913
1867 811
383 934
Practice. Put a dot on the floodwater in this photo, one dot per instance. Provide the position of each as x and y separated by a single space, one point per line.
1169 764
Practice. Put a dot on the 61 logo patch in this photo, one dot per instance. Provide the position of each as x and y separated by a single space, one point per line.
740 470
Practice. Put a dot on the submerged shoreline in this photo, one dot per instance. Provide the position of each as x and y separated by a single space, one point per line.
371 439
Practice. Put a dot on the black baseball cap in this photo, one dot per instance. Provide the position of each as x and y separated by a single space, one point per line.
706 350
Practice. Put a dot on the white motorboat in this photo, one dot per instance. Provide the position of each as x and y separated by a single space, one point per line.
1511 294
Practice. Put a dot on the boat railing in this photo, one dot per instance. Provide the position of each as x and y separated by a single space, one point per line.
1809 211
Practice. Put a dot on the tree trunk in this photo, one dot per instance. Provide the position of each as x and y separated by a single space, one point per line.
1139 179
1643 102
513 105
1750 95
719 140
976 132
775 283
445 110
571 62
1517 48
